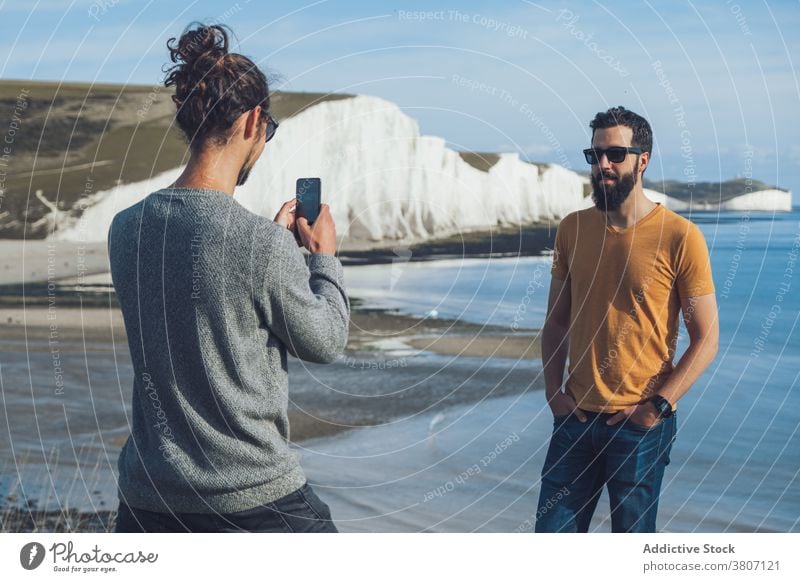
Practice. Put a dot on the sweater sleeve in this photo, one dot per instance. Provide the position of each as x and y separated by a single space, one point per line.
306 306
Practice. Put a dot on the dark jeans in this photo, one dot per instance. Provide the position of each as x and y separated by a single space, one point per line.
583 457
301 511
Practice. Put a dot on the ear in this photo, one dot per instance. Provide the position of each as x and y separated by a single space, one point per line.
644 161
252 122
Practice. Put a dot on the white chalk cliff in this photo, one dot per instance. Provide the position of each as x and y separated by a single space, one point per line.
383 180
762 200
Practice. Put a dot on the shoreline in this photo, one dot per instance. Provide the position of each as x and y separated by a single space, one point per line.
408 353
81 268
523 241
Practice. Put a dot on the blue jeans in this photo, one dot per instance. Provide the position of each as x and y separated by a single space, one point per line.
582 458
300 511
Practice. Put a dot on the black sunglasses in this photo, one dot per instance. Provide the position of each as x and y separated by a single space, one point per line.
272 127
614 154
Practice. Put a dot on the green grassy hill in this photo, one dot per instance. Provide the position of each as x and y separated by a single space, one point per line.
480 160
484 161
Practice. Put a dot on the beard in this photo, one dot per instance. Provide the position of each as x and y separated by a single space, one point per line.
610 197
244 171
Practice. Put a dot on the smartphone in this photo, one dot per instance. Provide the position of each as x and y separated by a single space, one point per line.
309 193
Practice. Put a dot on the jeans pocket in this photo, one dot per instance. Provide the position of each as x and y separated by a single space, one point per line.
303 511
323 522
559 420
313 503
641 427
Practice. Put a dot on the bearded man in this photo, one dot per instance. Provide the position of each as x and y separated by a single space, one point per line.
623 271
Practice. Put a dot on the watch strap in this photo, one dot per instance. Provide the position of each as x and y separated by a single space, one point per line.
662 404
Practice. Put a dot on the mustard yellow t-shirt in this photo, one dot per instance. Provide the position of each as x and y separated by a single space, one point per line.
626 287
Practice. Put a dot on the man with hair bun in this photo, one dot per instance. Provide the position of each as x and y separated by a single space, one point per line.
623 271
214 297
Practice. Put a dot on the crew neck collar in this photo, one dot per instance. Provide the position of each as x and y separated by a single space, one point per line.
193 191
646 218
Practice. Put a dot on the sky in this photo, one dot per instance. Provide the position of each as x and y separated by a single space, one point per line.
718 80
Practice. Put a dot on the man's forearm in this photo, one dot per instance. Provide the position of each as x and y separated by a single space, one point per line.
554 357
692 364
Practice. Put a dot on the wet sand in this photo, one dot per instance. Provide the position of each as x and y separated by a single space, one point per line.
408 354
40 260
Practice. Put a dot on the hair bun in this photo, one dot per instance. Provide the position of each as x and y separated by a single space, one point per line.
197 42
212 86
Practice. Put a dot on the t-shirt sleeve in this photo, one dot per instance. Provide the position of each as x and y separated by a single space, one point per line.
560 268
694 266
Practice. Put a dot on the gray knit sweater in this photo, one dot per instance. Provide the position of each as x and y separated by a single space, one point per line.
213 298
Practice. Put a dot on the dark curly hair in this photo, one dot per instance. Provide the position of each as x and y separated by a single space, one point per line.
213 87
642 134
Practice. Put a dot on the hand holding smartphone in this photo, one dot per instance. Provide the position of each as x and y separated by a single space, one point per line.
309 197
321 239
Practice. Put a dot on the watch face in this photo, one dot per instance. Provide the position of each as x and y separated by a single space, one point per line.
663 405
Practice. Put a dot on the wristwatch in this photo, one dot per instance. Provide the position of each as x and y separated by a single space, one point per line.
663 406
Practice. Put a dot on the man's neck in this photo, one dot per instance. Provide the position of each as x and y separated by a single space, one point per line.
208 170
635 207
